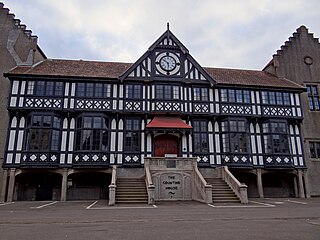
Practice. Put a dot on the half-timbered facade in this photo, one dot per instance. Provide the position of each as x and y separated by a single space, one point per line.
71 121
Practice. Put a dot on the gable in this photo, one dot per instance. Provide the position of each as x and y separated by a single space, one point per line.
167 59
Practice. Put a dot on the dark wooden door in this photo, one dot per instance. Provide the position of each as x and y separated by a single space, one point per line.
166 144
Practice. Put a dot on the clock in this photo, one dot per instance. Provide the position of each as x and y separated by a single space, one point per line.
168 63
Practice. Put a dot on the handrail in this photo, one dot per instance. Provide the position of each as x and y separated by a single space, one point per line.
150 185
240 189
112 186
202 186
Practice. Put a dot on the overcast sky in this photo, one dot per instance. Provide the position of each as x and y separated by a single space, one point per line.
229 34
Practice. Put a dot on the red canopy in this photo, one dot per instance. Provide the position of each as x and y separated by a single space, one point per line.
167 122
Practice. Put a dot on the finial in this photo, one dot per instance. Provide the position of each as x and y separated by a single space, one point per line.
168 26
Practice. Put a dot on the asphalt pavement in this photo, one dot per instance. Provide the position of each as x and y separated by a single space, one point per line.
260 219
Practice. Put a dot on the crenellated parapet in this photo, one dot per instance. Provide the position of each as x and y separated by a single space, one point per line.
297 57
17 39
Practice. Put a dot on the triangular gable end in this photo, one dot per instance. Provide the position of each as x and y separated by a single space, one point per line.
167 58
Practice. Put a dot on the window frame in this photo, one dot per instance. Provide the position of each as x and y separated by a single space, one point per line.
315 153
45 88
275 98
313 97
133 91
36 133
167 92
132 135
200 132
200 94
239 96
272 135
235 136
89 90
87 129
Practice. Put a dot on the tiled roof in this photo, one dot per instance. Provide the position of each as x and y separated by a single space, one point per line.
94 69
249 78
73 68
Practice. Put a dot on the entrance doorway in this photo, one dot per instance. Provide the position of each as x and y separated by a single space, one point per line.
166 144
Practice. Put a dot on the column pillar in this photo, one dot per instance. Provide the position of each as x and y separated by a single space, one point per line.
300 182
306 183
64 185
259 183
11 184
4 186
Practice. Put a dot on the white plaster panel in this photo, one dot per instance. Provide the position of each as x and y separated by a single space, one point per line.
23 87
18 158
13 101
15 86
12 137
20 140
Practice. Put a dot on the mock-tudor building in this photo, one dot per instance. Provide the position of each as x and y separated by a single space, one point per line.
95 130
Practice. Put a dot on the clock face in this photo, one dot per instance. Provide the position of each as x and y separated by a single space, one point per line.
168 63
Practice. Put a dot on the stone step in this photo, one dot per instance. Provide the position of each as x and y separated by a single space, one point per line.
131 190
221 192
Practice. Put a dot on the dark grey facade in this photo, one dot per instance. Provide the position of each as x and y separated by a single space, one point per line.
18 47
299 60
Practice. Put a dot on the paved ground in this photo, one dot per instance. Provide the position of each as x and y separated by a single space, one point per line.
261 219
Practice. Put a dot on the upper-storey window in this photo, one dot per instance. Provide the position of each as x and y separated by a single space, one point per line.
45 88
167 92
275 136
314 149
200 94
43 133
313 97
92 133
275 98
96 90
200 136
132 135
234 136
133 91
235 96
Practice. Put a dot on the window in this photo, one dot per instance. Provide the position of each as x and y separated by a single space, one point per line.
234 136
93 90
314 149
45 88
275 136
92 133
275 98
133 91
235 96
200 94
313 97
167 92
43 133
200 136
132 135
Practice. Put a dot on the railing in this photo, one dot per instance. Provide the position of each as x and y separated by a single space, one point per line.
202 186
239 188
112 186
150 186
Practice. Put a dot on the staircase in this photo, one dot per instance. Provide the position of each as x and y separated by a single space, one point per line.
131 190
221 192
